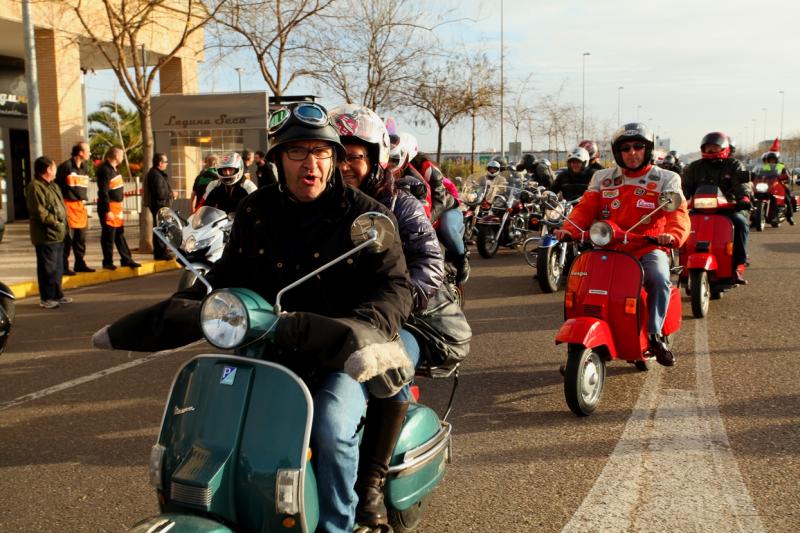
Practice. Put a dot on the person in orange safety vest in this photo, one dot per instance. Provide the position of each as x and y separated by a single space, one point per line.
110 194
73 177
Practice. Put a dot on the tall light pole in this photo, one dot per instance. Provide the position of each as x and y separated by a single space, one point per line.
502 87
583 95
239 72
32 83
783 95
619 102
764 109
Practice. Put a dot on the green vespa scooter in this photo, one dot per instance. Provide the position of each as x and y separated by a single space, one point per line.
233 453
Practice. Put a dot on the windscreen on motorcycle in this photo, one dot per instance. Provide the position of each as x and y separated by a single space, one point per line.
473 188
206 215
506 185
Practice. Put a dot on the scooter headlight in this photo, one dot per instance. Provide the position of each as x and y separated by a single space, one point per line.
193 244
705 203
224 319
601 233
762 187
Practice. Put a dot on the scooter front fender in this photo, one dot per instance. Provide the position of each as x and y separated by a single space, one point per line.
179 523
588 331
707 262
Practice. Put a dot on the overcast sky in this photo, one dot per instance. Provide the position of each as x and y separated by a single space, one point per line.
692 66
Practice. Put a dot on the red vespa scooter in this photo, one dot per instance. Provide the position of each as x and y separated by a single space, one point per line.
605 307
707 256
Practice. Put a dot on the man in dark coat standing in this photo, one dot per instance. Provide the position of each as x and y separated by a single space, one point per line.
161 195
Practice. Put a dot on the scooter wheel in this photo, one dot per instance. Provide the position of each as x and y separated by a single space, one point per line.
701 292
407 520
584 378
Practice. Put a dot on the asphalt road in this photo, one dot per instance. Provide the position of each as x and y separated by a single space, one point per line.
711 444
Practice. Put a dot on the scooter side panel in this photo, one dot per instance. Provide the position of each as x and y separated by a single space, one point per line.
588 331
255 414
601 281
179 523
421 425
717 230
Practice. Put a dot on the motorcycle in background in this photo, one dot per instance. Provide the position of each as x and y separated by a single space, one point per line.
707 256
605 306
770 204
198 241
508 215
551 258
7 314
233 453
473 191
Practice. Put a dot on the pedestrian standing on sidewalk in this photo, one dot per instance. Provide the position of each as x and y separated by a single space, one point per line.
161 195
48 226
110 193
72 176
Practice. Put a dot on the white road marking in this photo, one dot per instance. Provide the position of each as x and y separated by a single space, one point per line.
673 468
91 377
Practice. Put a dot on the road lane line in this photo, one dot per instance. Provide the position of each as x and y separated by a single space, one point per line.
673 468
91 377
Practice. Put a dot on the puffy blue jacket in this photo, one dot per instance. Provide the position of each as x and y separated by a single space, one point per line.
420 245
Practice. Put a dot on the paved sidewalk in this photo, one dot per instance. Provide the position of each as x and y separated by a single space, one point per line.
18 261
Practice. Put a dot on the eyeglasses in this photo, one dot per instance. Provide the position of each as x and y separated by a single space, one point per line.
628 147
307 113
299 153
355 158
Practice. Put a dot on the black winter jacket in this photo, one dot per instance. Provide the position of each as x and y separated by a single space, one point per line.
728 174
420 246
571 185
159 189
275 241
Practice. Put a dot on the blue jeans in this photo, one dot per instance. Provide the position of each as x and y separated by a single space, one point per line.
412 351
451 231
741 230
339 403
49 269
658 287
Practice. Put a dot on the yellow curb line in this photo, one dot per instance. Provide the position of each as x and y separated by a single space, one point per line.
27 289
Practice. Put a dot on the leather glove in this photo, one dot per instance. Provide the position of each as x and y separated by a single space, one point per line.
377 360
390 382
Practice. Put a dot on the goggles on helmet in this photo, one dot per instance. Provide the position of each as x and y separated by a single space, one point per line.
307 113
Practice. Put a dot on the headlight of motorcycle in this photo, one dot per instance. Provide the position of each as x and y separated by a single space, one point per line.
552 215
190 244
471 197
601 233
223 319
762 187
499 202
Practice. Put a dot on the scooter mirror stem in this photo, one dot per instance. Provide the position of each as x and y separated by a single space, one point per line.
373 237
183 259
646 217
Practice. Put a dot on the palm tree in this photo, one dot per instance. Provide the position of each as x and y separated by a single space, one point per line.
116 126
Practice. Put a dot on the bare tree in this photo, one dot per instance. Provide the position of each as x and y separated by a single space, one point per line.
517 113
272 30
372 55
119 30
443 94
482 93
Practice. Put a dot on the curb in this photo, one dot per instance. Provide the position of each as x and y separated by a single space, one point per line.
28 289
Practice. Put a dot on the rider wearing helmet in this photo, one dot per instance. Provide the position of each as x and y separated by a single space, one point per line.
670 162
230 188
572 181
405 176
772 166
594 155
536 170
445 215
366 143
717 168
625 194
336 335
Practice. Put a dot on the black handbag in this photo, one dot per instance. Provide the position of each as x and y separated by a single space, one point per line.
442 330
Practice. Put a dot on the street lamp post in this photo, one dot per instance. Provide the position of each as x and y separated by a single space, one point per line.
583 96
502 85
782 101
619 102
239 72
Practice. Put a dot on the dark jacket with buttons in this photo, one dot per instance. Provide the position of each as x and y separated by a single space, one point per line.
274 241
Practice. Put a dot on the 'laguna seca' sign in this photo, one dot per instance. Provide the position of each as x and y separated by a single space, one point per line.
182 112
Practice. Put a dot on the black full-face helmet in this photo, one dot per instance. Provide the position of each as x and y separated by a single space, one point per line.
634 131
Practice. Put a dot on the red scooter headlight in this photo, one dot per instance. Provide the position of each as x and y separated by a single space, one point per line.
601 233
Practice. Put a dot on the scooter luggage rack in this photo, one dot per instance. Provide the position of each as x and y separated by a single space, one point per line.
436 372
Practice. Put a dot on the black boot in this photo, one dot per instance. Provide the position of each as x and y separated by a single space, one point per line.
660 349
385 419
461 262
